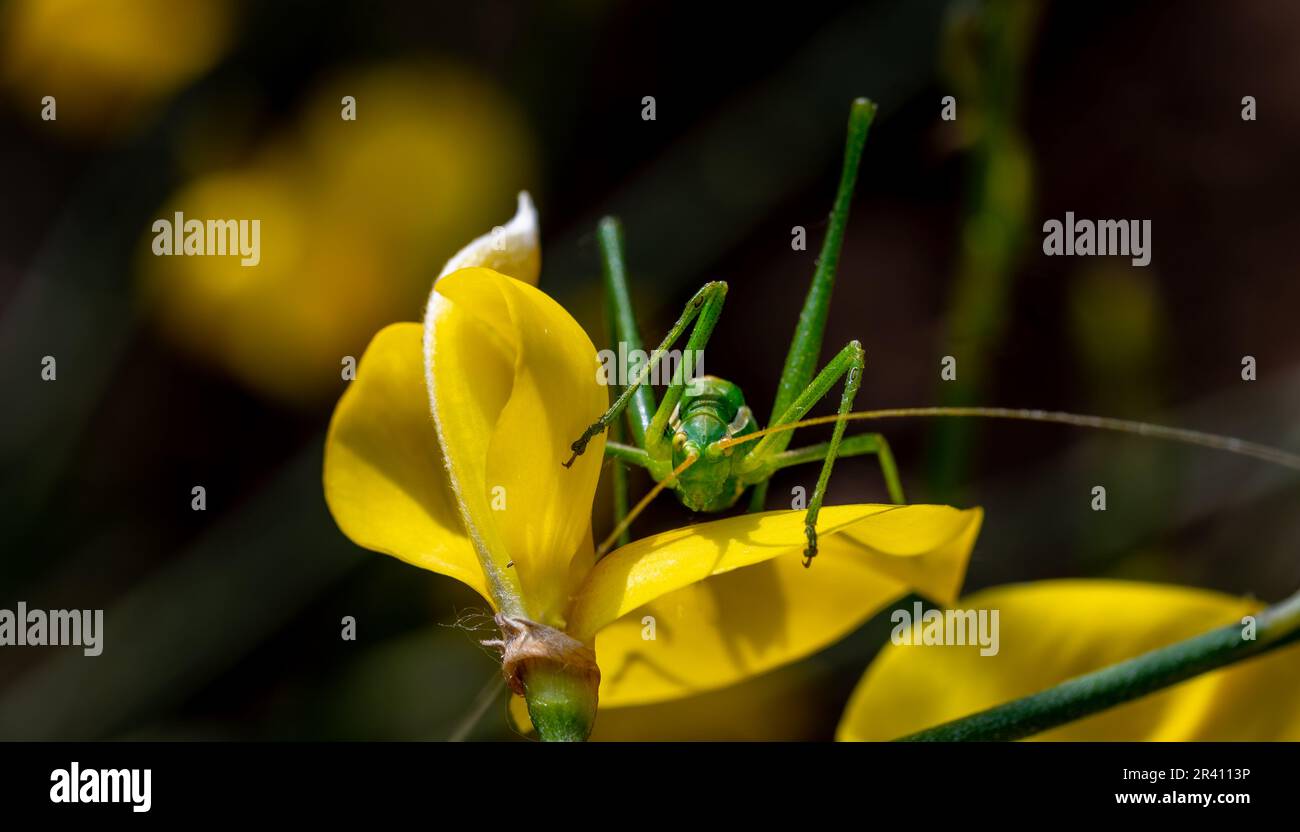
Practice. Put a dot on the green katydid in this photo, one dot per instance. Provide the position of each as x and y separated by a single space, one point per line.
702 440
694 417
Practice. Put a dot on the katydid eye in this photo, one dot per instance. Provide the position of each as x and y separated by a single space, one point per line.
679 441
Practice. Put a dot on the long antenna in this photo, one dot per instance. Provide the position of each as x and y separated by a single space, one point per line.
612 538
1217 442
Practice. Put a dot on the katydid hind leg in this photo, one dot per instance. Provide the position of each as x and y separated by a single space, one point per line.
806 344
852 380
847 365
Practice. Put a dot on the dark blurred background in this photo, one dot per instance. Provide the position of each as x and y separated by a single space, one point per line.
173 373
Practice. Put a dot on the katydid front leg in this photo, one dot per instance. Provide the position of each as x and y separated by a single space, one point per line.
704 310
849 362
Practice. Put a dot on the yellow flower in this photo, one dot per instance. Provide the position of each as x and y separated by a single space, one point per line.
1055 630
354 216
446 452
105 63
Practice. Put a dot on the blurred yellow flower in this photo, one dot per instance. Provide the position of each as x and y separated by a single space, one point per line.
446 452
105 62
356 216
1055 630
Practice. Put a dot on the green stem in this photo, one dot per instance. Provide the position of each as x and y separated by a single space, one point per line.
1083 696
561 705
622 322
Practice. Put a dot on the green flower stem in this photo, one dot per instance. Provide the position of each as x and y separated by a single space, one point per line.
1083 696
561 705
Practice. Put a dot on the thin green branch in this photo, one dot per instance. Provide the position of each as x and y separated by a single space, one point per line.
1276 627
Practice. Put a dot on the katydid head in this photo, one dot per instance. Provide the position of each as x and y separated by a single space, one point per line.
712 410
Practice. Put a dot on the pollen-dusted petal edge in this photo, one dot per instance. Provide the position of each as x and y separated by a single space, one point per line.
1056 630
729 599
511 249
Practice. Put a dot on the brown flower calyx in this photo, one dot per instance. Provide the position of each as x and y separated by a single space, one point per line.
525 643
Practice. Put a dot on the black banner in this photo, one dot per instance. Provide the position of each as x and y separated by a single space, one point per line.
191 781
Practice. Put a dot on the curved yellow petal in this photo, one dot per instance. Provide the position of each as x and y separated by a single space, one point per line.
513 380
1056 630
510 249
759 608
384 477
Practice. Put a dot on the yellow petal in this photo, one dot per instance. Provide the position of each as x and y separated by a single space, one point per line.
1056 630
759 608
384 477
514 380
510 249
